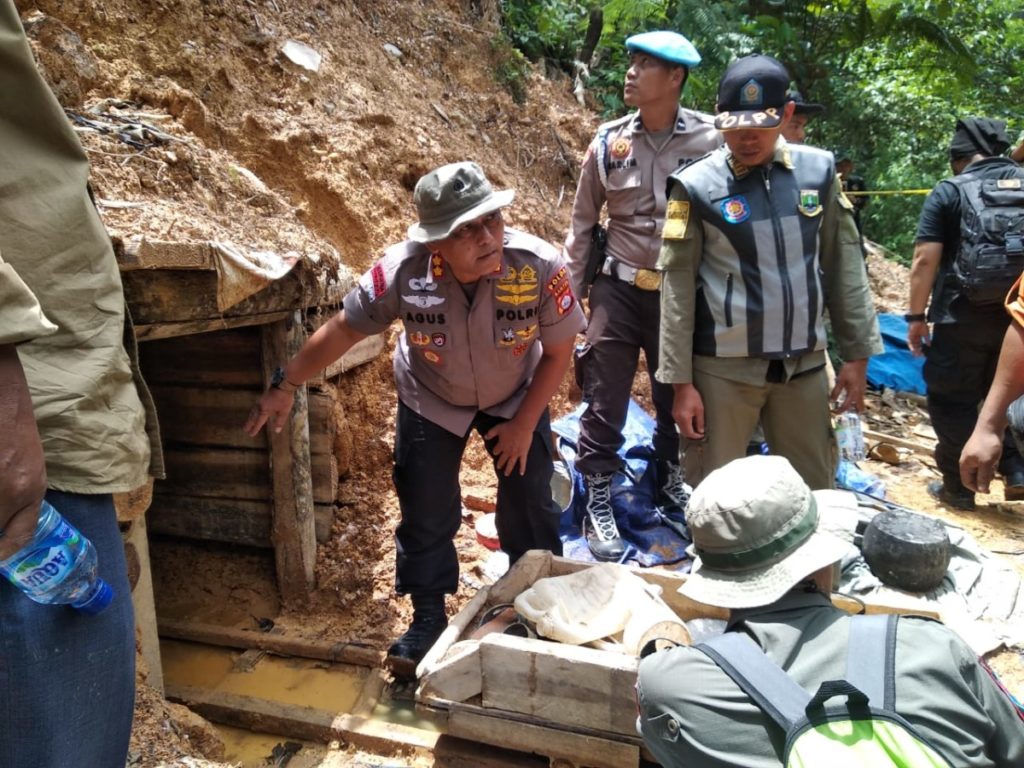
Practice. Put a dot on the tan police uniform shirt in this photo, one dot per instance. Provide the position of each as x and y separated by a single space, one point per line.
459 355
628 168
90 417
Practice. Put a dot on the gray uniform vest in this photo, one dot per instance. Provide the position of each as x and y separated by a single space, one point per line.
759 291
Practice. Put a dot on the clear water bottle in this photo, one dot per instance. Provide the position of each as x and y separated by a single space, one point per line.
850 436
58 566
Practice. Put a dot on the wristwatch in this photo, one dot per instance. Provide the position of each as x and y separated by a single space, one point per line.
918 317
278 381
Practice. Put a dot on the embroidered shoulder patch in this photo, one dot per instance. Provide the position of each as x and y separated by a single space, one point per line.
677 216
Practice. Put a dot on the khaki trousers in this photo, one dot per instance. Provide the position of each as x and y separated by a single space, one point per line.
794 415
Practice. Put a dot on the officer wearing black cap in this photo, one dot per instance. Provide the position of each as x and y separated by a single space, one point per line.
626 168
795 131
758 242
963 346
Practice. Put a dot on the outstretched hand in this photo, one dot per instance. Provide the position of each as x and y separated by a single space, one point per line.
273 407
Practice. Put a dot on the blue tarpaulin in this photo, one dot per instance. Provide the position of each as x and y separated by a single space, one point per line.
896 368
641 526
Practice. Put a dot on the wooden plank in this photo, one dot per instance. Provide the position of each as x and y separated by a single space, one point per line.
450 752
213 415
293 531
235 521
145 606
273 642
458 677
228 473
363 351
180 296
566 685
916 447
141 253
158 329
225 359
506 730
300 722
455 629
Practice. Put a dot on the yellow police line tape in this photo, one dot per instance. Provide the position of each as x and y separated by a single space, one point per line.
850 193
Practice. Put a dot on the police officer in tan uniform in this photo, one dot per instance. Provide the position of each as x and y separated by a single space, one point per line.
626 167
490 319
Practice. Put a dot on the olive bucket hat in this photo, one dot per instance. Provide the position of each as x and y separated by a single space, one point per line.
758 531
450 196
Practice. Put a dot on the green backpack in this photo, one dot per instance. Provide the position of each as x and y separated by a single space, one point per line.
861 728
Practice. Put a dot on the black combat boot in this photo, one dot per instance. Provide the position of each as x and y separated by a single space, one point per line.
599 526
428 622
673 496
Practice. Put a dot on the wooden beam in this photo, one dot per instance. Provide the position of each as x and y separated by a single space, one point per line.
566 685
141 253
229 473
235 521
363 351
272 642
224 359
293 531
179 295
300 722
145 607
506 730
882 437
158 329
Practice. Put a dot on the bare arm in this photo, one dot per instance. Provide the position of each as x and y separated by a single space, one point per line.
982 451
22 470
331 341
515 435
927 257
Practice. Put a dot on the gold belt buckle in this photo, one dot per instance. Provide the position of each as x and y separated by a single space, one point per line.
647 280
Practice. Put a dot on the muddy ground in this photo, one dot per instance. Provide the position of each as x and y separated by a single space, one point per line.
200 127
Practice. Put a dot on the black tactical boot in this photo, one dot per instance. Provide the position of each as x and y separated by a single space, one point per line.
673 496
951 493
428 622
599 521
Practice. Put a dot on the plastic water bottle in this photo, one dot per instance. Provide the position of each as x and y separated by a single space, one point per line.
850 436
58 566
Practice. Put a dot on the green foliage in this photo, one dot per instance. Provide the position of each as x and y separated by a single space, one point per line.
511 69
894 74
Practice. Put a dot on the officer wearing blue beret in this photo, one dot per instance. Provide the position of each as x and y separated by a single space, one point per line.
624 176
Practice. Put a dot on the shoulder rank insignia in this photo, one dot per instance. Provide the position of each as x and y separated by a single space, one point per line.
677 216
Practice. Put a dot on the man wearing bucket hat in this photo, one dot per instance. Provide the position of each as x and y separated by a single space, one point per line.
758 241
765 550
795 130
625 168
489 322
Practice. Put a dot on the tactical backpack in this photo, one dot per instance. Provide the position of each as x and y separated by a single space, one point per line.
861 729
991 252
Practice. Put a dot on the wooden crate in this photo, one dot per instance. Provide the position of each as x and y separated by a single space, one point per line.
573 704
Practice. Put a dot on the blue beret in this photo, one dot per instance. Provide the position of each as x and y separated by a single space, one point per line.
670 46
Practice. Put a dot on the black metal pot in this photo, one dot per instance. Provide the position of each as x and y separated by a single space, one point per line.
907 550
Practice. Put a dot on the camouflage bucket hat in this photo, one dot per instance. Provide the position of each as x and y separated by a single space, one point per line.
450 196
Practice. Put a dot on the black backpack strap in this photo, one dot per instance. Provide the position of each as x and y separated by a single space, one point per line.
871 658
764 681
